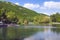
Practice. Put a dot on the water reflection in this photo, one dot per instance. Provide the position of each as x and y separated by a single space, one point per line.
57 29
49 33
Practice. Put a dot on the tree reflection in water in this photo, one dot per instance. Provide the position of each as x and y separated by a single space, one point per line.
57 29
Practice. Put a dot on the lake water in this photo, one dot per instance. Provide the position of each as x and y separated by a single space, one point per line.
51 32
31 32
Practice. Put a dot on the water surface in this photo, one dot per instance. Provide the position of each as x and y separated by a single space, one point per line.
51 32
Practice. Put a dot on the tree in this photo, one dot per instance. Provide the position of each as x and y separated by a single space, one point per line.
4 17
41 19
15 20
55 17
12 17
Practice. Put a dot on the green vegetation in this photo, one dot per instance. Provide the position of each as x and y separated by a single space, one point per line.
55 17
41 19
14 12
21 15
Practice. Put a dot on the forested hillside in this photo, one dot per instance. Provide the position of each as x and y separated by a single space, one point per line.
20 13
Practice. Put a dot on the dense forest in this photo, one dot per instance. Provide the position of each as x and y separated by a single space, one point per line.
20 15
55 17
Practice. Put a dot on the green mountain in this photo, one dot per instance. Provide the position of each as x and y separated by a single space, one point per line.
19 10
13 10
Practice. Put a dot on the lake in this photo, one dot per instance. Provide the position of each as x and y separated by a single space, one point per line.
32 32
51 32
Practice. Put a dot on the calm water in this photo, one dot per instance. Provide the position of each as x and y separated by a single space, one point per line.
31 32
49 33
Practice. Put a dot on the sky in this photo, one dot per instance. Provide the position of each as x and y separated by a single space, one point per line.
41 6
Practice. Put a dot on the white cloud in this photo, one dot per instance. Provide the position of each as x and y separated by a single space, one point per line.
48 13
52 4
17 3
31 6
43 7
47 7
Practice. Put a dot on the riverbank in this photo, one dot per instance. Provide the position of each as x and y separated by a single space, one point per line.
55 23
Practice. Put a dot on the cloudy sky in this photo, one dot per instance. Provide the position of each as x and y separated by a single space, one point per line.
41 6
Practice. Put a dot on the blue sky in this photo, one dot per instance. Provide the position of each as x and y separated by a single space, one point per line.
41 6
